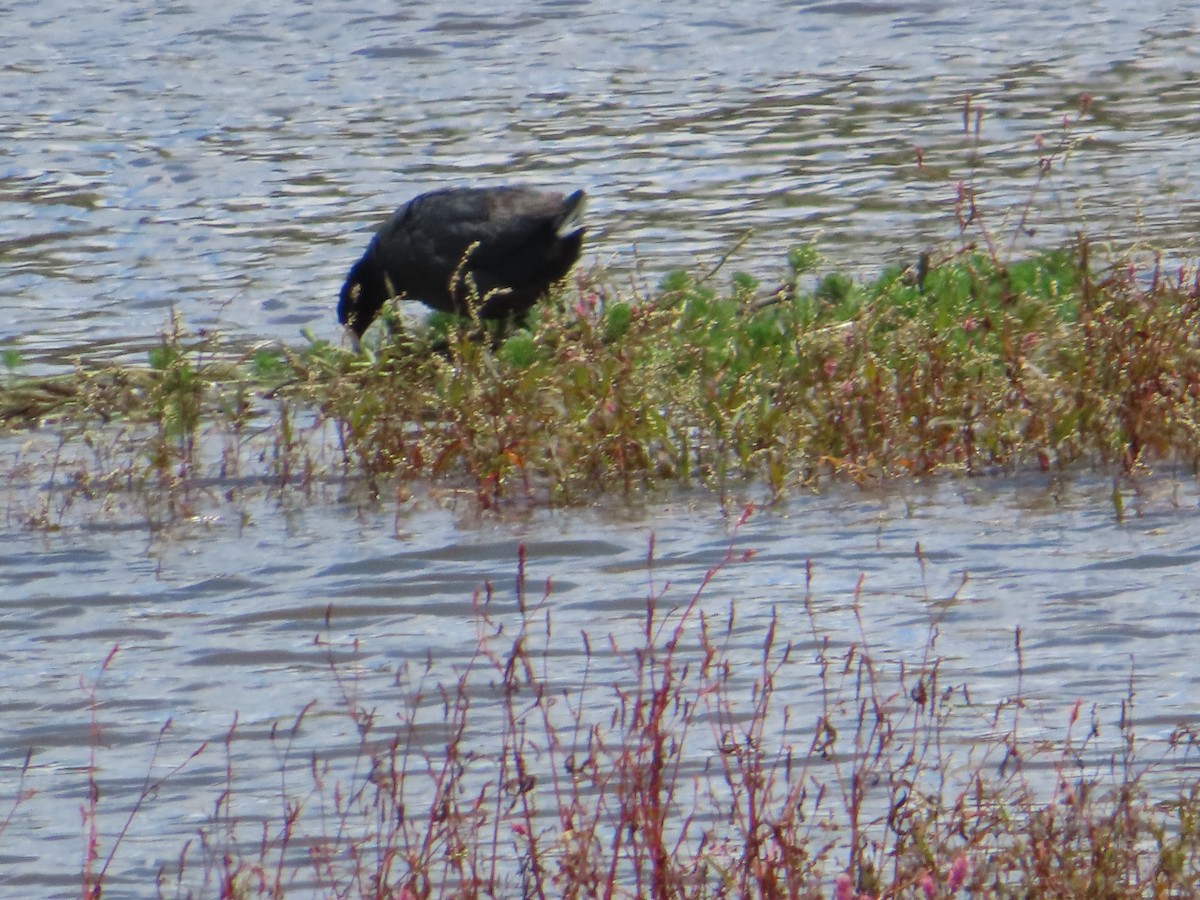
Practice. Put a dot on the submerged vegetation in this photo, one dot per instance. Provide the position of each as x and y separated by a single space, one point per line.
958 364
679 763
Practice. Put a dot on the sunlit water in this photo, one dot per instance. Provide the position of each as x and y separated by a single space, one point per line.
229 160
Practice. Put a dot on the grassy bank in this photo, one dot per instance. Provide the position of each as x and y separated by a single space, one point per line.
957 364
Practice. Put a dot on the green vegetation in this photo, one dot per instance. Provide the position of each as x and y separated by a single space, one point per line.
959 364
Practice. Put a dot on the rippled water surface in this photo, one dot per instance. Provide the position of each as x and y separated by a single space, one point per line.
221 620
228 160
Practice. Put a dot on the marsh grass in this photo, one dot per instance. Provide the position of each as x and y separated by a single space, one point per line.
973 359
675 764
1055 361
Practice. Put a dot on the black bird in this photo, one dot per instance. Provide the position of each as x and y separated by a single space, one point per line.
499 247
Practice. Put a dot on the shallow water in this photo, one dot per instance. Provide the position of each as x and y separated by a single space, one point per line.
222 619
228 160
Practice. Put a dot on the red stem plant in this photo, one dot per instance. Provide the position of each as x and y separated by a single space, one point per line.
668 761
674 766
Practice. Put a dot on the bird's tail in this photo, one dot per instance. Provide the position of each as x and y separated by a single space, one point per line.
571 216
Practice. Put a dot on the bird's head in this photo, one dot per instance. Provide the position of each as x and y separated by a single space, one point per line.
363 295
